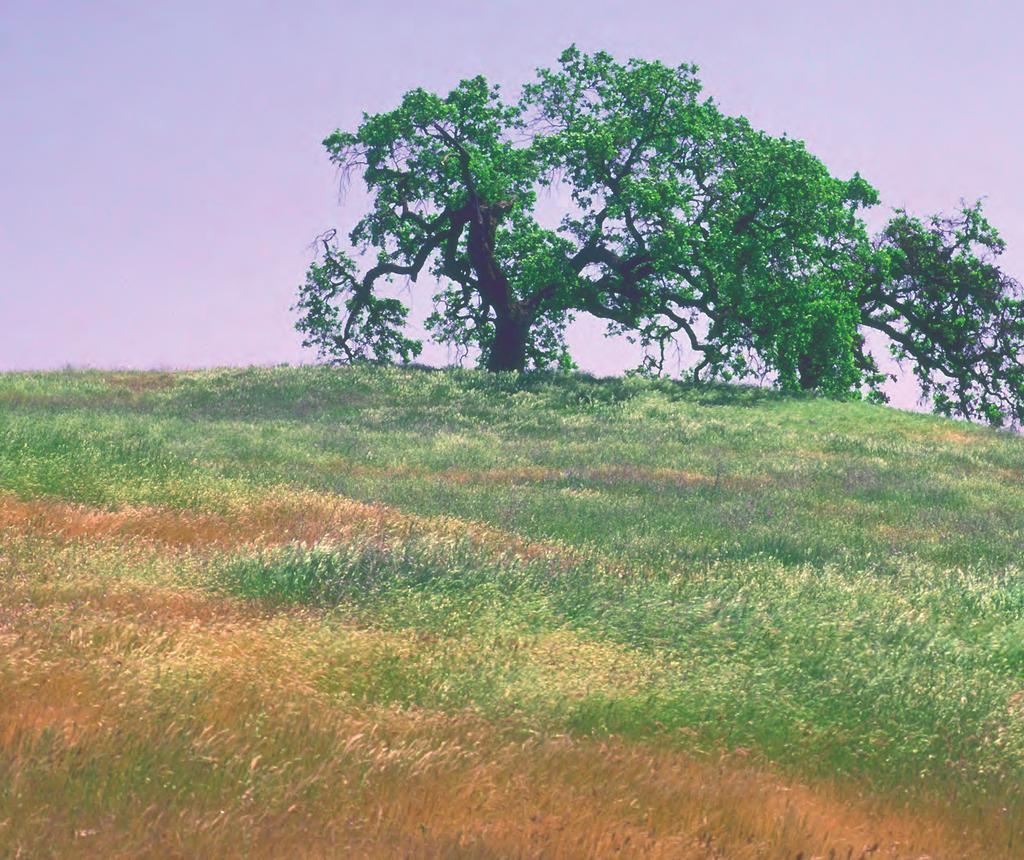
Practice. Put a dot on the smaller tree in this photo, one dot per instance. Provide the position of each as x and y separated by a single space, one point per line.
934 290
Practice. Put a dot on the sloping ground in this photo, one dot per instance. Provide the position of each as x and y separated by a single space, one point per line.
304 612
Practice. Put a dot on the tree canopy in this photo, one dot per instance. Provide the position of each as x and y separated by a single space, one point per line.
679 224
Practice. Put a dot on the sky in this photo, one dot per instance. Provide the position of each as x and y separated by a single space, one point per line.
162 174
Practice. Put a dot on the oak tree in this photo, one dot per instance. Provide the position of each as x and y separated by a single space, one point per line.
679 223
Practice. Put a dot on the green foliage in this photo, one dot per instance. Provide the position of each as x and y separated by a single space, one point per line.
372 326
934 289
681 224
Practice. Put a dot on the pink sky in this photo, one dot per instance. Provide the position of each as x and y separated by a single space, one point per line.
162 174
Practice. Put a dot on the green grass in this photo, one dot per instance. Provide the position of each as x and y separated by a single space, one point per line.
836 586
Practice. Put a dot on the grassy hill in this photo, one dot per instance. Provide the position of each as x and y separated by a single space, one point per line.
312 611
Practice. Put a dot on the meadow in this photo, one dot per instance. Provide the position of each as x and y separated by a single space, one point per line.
403 612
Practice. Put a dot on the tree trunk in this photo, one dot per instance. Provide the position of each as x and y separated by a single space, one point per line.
512 320
508 351
808 372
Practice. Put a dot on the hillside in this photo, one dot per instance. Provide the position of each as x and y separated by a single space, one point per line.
307 612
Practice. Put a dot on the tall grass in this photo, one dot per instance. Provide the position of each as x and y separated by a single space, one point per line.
824 592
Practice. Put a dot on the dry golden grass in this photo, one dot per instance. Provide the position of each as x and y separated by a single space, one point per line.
943 434
77 522
282 516
317 778
140 381
1014 477
143 718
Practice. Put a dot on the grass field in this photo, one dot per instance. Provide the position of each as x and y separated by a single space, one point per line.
313 612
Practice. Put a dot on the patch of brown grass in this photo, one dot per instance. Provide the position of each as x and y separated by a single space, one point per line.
905 535
122 389
942 434
138 382
284 516
78 522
